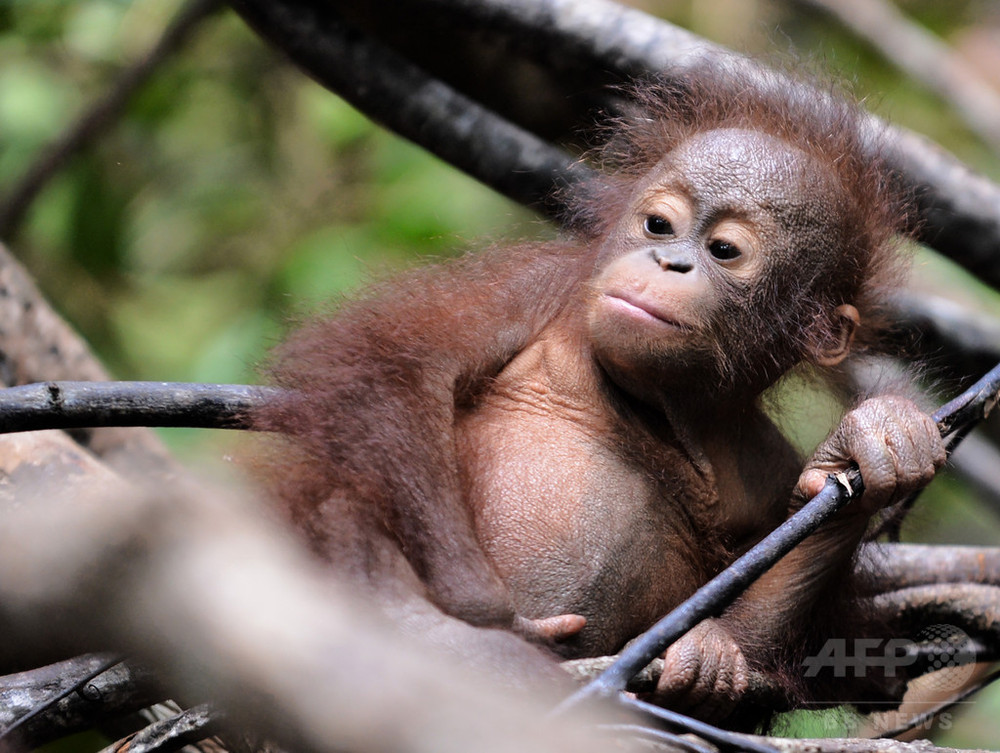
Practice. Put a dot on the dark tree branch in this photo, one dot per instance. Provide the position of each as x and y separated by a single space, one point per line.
960 209
404 98
973 607
100 116
945 334
899 566
45 704
70 405
954 419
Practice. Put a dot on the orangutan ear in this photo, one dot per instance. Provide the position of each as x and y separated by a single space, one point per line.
845 321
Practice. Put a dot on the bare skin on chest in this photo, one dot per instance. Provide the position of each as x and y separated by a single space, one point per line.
579 517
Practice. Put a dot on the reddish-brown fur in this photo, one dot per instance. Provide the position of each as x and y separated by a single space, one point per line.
484 446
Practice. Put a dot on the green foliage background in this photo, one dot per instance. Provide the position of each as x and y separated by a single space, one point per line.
236 193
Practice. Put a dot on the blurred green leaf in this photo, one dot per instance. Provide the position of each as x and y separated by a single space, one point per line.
35 104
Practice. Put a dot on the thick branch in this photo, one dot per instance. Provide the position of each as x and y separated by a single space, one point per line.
407 100
973 607
898 566
945 333
961 210
114 692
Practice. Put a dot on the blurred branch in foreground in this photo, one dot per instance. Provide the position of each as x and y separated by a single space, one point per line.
199 585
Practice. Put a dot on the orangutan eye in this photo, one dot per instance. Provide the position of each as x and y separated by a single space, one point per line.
655 225
724 251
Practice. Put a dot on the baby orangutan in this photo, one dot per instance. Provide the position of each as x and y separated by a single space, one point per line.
537 451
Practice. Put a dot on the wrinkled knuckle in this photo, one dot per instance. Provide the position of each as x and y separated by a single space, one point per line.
854 422
742 667
880 483
741 682
677 677
878 463
681 665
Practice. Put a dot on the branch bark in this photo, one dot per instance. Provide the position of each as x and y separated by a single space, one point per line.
167 735
203 588
945 333
898 566
71 405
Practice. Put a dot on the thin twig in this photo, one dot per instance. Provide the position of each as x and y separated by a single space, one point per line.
64 404
101 115
7 733
721 738
954 419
